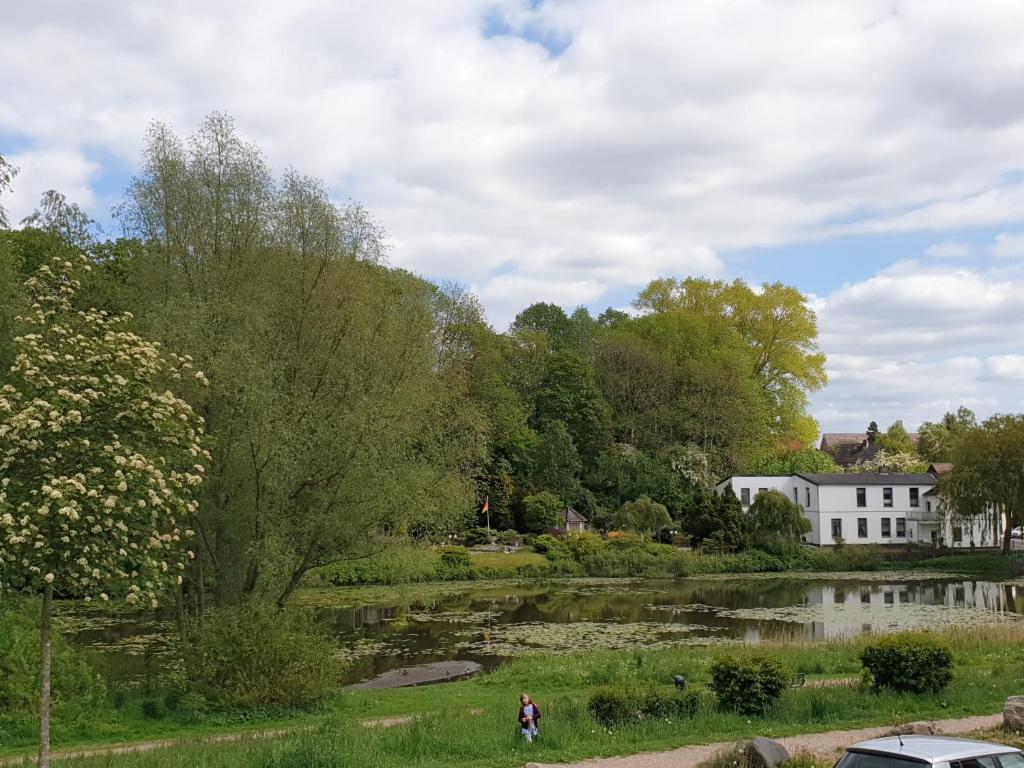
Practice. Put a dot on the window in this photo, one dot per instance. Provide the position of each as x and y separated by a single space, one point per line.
761 490
977 762
958 535
915 497
837 528
890 598
887 497
745 497
796 495
808 497
862 497
869 760
886 527
862 527
901 527
928 506
1012 760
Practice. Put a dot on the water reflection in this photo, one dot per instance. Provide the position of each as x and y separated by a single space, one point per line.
381 629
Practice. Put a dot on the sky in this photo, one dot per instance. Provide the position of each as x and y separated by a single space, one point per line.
869 153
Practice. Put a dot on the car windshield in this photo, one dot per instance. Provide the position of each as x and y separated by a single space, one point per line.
873 760
1012 760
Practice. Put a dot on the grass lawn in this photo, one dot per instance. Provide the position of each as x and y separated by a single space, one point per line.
471 724
499 561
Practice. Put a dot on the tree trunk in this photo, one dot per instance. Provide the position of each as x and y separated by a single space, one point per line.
46 643
293 582
1007 535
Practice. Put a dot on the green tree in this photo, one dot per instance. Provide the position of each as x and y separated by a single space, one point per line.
717 515
340 405
7 174
987 481
549 320
779 328
791 462
773 515
100 460
542 511
568 393
873 432
938 440
556 464
643 516
896 439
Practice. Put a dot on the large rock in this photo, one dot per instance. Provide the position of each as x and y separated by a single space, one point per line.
765 753
919 728
1013 713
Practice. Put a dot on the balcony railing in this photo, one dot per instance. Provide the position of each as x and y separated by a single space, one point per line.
923 516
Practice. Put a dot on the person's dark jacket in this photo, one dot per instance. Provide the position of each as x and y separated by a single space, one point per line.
536 715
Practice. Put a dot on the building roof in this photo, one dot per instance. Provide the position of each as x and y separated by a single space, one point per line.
940 467
829 439
868 478
930 749
572 516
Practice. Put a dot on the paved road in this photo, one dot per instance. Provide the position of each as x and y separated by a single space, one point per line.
827 745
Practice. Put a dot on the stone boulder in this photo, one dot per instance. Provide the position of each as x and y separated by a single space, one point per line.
765 753
1013 713
918 728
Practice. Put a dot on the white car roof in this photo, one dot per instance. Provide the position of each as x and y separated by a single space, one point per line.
931 749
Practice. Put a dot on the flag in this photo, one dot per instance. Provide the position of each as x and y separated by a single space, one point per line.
487 505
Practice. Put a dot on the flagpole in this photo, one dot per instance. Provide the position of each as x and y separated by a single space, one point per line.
487 506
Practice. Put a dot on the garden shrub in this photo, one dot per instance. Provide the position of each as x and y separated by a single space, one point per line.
258 659
912 662
455 564
78 689
748 684
613 705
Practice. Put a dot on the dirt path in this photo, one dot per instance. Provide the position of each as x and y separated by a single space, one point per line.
827 744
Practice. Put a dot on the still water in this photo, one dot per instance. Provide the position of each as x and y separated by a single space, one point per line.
381 628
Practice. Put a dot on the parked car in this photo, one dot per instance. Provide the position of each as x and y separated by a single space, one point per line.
938 751
1018 532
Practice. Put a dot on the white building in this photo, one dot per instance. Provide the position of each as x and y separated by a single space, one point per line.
868 508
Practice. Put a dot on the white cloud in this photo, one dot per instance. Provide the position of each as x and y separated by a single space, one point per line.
948 249
915 341
656 139
1008 245
660 138
65 170
1008 367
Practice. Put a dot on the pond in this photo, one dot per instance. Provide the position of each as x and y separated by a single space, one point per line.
383 628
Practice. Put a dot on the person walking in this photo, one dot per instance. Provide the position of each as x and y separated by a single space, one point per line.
529 717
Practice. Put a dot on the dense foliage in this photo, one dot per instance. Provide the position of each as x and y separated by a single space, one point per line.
253 658
748 684
913 662
614 705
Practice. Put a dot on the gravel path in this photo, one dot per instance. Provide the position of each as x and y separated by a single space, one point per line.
828 744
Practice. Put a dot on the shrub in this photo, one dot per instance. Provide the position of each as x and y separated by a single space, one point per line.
542 511
749 685
254 658
913 662
77 688
476 536
455 564
613 705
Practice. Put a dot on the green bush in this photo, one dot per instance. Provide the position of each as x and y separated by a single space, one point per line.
748 684
77 688
455 564
613 705
913 662
258 659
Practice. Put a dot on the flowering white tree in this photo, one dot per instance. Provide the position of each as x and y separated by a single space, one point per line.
100 462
